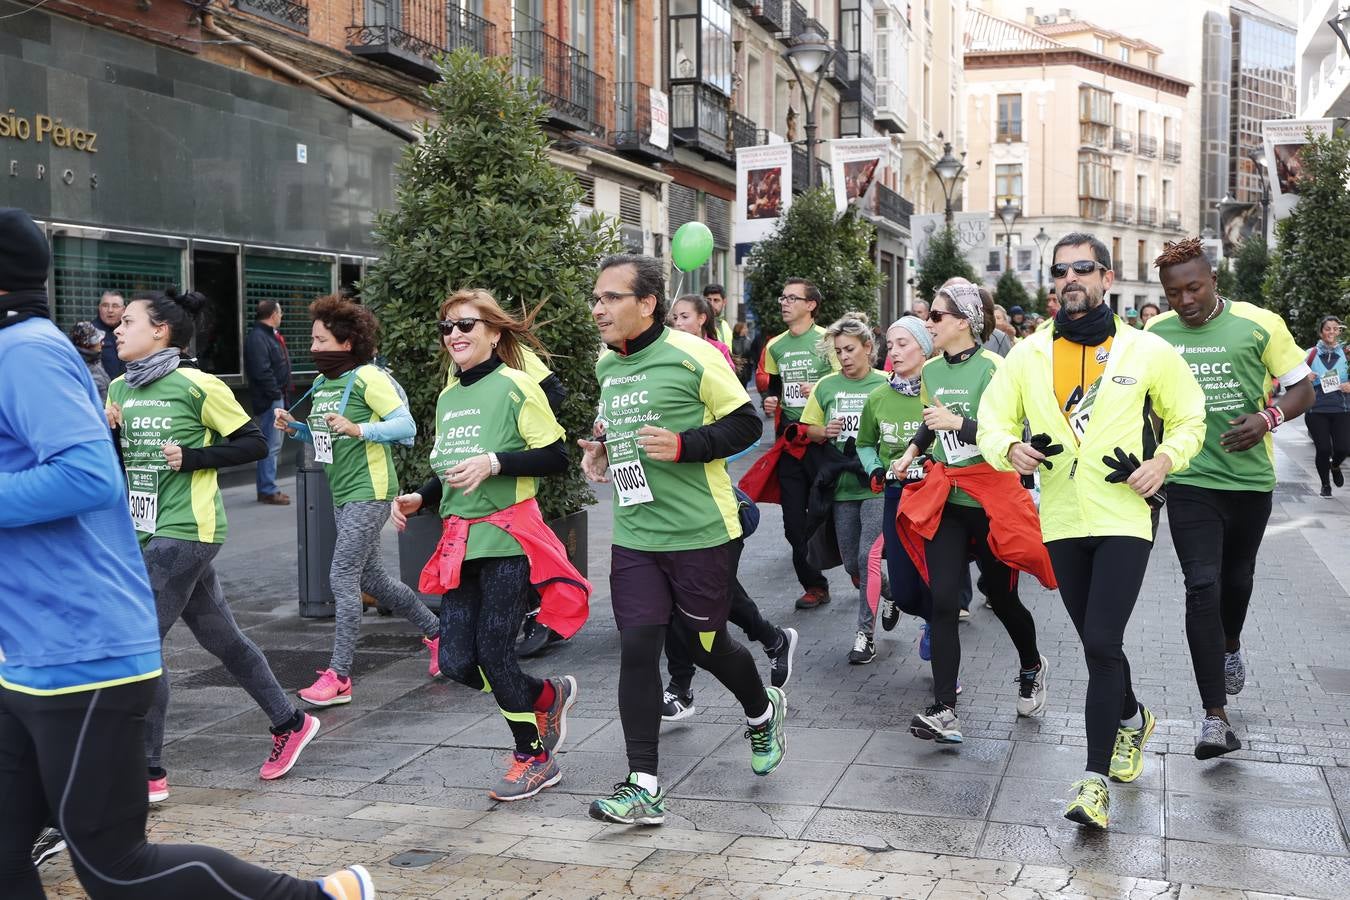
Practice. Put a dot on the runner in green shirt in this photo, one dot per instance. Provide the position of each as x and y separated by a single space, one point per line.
792 363
671 412
177 426
356 413
1219 506
833 414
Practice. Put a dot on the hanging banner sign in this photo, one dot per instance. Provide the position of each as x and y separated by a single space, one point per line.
856 165
660 113
1285 140
763 190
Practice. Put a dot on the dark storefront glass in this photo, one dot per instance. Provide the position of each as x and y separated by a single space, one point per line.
84 268
293 283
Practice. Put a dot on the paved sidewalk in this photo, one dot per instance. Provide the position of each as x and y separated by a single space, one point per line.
859 806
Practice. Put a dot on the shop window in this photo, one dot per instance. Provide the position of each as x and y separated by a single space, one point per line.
83 268
294 283
216 275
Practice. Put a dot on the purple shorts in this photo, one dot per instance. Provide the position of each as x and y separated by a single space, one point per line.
649 587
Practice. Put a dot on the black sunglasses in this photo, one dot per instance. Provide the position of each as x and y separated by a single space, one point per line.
937 315
447 326
1081 266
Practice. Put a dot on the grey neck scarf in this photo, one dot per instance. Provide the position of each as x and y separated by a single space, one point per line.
146 370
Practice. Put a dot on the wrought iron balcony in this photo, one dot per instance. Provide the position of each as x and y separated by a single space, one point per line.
601 106
401 35
1148 145
837 71
1148 215
1172 151
565 82
794 22
1123 140
292 14
633 123
464 29
744 4
800 178
744 131
769 13
861 81
1172 219
1122 213
892 207
700 119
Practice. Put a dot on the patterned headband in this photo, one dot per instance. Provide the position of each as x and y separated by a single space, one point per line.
968 301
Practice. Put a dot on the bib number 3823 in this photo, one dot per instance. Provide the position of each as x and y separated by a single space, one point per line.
630 481
143 494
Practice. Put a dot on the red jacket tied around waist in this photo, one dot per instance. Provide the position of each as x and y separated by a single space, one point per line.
1014 526
564 594
760 481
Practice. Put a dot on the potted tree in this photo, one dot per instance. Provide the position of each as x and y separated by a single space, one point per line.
479 204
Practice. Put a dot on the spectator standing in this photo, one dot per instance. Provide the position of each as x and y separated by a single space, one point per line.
110 307
268 367
89 341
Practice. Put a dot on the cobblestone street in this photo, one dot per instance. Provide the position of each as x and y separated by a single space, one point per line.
397 779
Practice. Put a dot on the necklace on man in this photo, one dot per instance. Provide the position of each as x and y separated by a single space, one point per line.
1214 312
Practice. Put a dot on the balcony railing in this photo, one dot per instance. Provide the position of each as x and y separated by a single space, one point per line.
1148 145
401 35
1172 219
800 178
794 22
1122 213
837 71
566 84
892 207
1172 151
464 29
1148 215
743 4
890 110
1118 268
292 14
601 106
770 14
632 132
1141 271
1123 140
700 119
744 131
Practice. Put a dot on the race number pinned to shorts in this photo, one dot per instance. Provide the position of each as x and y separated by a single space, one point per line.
1330 382
627 473
323 439
794 394
143 492
955 449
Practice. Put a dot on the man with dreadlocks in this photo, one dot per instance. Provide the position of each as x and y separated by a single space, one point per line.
1087 385
1220 505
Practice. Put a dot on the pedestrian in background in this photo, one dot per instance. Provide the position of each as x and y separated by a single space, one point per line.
267 364
89 341
110 307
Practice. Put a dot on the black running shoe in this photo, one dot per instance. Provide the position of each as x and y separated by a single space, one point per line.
48 844
533 638
781 670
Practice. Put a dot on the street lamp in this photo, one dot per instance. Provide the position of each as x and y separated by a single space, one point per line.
1338 25
1041 240
1009 212
1259 160
948 169
809 56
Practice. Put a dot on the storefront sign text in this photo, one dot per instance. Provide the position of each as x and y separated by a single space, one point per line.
44 128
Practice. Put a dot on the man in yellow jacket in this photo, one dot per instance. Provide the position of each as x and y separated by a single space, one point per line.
1089 387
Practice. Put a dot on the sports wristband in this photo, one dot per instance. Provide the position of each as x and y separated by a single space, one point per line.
494 465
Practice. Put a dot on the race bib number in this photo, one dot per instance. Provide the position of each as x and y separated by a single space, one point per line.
954 449
143 493
849 429
794 395
323 439
630 481
915 472
1082 413
1330 382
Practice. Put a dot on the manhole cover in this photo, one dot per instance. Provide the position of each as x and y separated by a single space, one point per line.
1332 680
292 667
416 859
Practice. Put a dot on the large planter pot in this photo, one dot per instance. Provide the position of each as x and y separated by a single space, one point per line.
418 541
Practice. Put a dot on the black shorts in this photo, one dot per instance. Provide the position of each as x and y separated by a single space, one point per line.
648 587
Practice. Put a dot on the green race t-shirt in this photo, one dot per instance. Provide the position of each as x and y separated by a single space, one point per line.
189 408
837 396
959 387
889 422
1234 356
798 361
677 382
503 411
360 469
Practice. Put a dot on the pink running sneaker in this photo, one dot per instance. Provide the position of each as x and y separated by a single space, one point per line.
434 645
286 748
330 690
159 789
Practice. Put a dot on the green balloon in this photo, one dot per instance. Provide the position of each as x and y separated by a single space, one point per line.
691 246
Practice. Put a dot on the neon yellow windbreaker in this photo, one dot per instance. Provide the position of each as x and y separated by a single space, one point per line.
1142 372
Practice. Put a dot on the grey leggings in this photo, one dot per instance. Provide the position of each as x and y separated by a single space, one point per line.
857 525
358 566
186 587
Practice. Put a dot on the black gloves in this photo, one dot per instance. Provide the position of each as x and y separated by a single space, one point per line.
1041 444
1122 466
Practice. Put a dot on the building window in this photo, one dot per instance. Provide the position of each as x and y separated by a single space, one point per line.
883 21
1007 185
1142 268
927 96
1124 53
1094 184
1099 46
1094 116
1009 117
700 43
293 283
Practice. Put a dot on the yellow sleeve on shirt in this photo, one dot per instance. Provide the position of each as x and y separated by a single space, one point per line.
1281 355
533 366
771 361
378 391
718 387
535 420
220 411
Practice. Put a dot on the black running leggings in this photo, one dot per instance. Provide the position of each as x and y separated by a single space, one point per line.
80 758
794 484
1330 433
1217 535
1099 580
479 623
965 530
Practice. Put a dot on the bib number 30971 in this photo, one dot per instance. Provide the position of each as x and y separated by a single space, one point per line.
143 494
630 481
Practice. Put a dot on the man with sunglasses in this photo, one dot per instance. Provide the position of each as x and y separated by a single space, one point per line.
671 412
1221 504
1089 386
792 363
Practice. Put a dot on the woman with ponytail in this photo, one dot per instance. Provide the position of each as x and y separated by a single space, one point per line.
177 426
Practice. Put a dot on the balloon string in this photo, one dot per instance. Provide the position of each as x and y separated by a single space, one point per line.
679 283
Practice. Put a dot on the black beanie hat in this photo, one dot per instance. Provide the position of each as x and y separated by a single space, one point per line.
24 254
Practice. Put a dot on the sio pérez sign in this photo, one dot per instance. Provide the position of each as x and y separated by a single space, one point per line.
45 128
